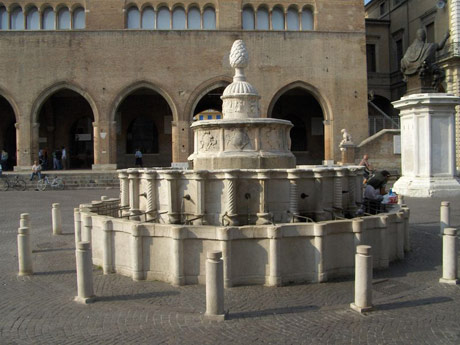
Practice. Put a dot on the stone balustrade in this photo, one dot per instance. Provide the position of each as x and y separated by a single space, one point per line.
241 197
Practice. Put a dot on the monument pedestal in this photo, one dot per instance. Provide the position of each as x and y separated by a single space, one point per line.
427 145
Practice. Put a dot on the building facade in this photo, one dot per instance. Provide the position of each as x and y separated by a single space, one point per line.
391 26
103 78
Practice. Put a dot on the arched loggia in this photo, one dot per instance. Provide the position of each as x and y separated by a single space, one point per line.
7 132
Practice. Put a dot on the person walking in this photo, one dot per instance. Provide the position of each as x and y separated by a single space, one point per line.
138 156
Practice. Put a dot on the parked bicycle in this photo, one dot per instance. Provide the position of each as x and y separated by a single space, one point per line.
15 182
55 183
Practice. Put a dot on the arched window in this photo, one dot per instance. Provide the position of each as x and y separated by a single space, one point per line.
194 18
17 19
277 19
178 19
164 19
248 18
64 19
48 22
133 18
3 18
262 19
292 19
148 18
307 19
209 18
79 20
33 19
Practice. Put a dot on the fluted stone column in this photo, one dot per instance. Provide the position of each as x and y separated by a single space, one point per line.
200 197
137 253
293 177
263 217
133 177
338 187
150 178
274 257
173 214
124 190
230 202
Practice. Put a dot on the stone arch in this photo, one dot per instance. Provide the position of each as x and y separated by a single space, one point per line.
324 103
307 109
8 128
5 94
140 85
49 91
201 90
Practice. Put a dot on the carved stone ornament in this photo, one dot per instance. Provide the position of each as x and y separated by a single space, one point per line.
208 142
237 139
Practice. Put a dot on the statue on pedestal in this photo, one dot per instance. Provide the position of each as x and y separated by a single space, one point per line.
418 66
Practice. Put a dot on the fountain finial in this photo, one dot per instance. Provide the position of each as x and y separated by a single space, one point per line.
239 59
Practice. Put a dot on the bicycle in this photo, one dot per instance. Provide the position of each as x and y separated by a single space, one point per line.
56 183
16 182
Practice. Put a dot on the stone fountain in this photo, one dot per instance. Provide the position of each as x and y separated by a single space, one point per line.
273 222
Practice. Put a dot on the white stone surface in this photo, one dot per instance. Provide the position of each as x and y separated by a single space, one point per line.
428 163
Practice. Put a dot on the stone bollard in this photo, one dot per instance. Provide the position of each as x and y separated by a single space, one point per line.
24 221
449 257
401 199
56 219
84 273
24 252
215 286
363 279
445 216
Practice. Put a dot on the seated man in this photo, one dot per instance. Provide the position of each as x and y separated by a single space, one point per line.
36 170
374 191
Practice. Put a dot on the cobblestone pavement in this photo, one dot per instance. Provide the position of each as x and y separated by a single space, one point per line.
412 307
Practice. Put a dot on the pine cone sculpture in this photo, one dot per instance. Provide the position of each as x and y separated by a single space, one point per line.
239 55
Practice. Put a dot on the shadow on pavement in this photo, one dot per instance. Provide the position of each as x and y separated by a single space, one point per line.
54 273
146 295
414 303
271 312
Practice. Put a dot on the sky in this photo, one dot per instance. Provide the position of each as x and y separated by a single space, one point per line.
366 1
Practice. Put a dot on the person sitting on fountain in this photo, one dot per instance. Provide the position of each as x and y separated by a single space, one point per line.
375 190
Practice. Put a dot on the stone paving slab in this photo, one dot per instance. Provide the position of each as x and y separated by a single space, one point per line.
411 306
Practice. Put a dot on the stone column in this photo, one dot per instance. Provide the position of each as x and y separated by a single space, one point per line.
319 175
449 257
137 253
352 191
274 257
77 225
84 273
150 178
363 279
445 216
24 252
338 187
177 278
263 216
171 177
200 196
293 177
107 261
124 189
104 142
87 227
133 177
56 219
230 202
214 286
